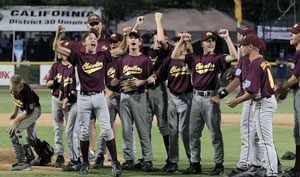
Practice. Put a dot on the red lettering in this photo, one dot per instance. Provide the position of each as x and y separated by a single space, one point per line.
4 74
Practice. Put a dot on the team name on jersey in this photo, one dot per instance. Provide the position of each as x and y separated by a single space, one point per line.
265 64
91 68
128 70
204 68
58 77
68 81
18 102
111 72
177 71
154 60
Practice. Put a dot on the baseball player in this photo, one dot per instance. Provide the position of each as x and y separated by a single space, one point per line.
54 82
27 111
69 107
157 93
91 67
133 70
113 93
178 77
259 86
248 108
293 83
205 70
112 96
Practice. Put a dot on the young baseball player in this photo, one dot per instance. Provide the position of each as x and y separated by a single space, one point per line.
248 108
112 96
293 83
91 72
178 77
157 93
27 111
259 86
205 69
69 106
133 70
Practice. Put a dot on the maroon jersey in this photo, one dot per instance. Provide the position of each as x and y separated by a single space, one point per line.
178 75
205 70
295 67
111 70
26 100
242 72
259 79
69 81
56 73
157 56
91 69
139 67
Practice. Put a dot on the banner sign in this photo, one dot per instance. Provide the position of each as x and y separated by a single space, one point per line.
44 73
267 32
44 18
6 72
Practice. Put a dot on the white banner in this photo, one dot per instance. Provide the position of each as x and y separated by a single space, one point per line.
267 32
44 73
44 18
6 72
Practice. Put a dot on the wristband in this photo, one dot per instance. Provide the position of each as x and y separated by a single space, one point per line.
223 93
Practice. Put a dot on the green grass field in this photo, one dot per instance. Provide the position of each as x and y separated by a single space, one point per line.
283 140
282 136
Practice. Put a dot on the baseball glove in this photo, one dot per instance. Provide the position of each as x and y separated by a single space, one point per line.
126 84
281 93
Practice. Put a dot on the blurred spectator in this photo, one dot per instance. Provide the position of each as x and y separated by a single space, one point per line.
281 68
18 49
4 44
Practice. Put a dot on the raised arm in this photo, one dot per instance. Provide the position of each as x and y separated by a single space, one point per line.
160 30
57 40
176 54
122 48
223 33
139 21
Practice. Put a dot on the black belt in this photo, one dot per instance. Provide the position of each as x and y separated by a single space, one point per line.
89 93
135 92
179 94
257 99
204 93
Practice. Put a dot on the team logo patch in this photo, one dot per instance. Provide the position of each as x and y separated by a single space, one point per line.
31 106
292 66
238 72
246 84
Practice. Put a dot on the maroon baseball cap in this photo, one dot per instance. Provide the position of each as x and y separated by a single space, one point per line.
115 37
254 40
135 33
67 44
94 18
295 29
207 35
245 31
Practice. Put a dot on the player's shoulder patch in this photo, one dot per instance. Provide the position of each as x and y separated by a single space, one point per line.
292 66
247 83
238 72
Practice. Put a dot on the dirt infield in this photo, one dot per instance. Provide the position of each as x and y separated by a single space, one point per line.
8 157
280 120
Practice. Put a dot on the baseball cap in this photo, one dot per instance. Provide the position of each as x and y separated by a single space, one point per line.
245 31
207 35
134 33
252 39
66 44
295 29
115 37
94 18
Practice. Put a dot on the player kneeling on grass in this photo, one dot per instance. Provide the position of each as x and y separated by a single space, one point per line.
26 112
